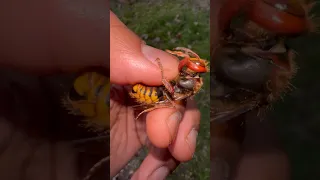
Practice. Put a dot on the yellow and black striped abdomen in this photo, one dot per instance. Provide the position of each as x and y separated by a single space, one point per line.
145 94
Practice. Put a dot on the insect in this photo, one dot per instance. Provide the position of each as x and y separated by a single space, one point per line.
253 66
89 97
281 17
187 84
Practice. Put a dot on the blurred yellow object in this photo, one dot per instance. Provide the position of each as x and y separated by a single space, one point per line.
90 97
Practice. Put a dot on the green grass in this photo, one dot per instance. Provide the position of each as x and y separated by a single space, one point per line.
167 24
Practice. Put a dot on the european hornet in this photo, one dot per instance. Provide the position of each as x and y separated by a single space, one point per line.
253 66
90 97
187 84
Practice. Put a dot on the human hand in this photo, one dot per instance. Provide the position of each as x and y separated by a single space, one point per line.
172 133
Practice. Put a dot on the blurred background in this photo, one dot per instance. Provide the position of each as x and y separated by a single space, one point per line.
297 116
166 24
295 119
39 140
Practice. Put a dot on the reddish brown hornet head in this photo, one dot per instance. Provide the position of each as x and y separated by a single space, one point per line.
190 60
196 65
288 17
278 16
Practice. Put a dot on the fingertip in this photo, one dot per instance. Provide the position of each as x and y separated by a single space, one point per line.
168 61
136 61
184 146
185 143
139 65
162 125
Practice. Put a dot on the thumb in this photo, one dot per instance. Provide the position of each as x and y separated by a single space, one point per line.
132 61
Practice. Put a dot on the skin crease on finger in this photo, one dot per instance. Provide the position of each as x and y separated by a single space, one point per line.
61 35
134 60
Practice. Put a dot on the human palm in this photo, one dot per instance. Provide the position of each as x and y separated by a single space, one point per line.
125 136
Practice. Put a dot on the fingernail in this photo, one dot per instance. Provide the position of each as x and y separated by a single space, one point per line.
192 140
160 174
150 53
173 124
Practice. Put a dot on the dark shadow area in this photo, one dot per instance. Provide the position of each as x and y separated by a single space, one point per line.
38 138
